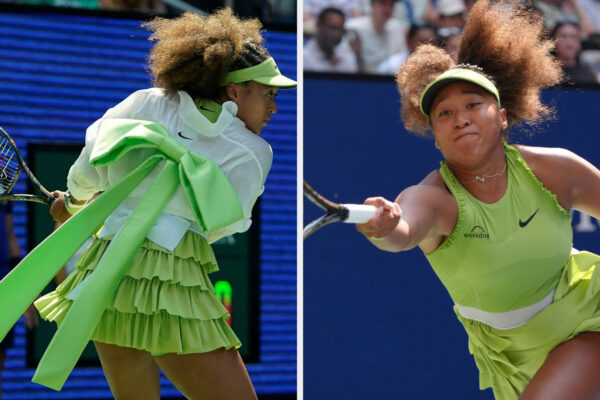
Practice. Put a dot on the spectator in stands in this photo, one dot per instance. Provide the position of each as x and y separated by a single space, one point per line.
312 9
535 14
449 40
561 9
451 13
327 52
143 6
378 36
591 8
85 4
567 35
417 34
415 12
350 8
10 255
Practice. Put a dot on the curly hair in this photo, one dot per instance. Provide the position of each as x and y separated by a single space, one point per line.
194 53
501 40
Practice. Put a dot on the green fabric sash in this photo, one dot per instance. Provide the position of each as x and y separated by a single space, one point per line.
214 208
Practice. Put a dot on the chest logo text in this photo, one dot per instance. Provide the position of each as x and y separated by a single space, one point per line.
477 233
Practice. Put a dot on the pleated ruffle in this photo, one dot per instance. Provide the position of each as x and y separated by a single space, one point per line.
508 359
164 304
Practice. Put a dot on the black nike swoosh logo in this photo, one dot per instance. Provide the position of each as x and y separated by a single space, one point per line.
207 109
181 136
528 220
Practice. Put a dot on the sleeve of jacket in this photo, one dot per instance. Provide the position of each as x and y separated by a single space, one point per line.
83 180
248 178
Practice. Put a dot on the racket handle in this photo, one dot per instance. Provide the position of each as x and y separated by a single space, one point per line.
359 213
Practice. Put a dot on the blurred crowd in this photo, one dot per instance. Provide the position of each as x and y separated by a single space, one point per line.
376 36
143 6
281 13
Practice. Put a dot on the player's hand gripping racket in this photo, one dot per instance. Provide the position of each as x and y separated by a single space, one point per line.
350 213
11 165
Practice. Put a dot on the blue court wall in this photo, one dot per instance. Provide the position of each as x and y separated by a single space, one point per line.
380 325
59 71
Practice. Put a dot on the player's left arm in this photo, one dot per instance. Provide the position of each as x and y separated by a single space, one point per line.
585 186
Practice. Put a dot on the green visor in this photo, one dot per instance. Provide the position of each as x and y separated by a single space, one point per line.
266 73
455 75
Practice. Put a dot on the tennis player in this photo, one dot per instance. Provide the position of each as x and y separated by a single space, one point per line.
215 91
494 221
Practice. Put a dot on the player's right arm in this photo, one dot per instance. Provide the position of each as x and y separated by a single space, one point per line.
422 215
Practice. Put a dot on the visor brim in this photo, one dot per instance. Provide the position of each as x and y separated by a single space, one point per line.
451 76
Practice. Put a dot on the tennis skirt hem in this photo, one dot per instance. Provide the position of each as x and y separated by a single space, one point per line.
164 304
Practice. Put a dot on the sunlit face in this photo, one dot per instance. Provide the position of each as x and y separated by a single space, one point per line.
466 122
255 101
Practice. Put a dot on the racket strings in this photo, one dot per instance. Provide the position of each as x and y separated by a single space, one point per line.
9 165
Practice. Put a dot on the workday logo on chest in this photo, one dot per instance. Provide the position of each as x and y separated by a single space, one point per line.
478 232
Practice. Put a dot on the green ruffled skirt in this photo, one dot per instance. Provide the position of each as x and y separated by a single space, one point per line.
164 304
508 359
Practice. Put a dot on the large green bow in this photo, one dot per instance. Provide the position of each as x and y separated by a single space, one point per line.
210 196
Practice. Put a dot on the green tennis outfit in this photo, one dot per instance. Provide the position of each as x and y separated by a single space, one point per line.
165 303
172 185
518 286
176 175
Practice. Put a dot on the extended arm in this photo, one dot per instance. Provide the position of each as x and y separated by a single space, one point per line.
428 214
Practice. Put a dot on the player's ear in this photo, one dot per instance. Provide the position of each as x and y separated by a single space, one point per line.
232 91
504 122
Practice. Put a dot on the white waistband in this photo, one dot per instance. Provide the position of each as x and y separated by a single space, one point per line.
167 231
506 320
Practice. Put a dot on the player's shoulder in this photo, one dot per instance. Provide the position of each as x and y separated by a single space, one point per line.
434 181
140 100
158 96
147 94
543 152
431 189
538 157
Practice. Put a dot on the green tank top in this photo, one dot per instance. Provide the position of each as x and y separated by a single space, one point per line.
509 254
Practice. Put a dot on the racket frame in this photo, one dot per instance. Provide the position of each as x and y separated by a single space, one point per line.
47 197
350 213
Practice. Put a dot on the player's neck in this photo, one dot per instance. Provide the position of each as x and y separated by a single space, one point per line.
487 182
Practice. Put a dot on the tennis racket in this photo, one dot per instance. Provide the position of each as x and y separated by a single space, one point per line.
11 165
350 213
